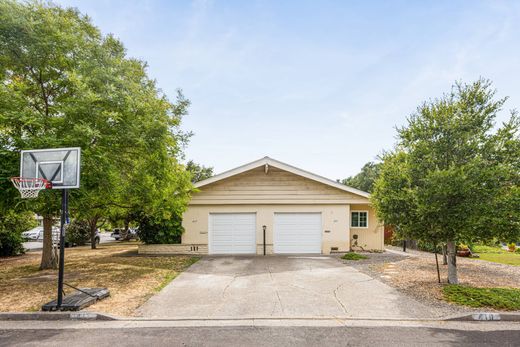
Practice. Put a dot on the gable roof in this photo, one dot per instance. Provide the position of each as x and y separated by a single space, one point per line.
283 166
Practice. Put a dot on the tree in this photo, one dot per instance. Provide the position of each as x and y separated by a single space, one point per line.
198 172
451 177
12 224
365 179
63 85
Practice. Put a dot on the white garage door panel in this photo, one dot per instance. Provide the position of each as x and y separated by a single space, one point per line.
232 233
297 233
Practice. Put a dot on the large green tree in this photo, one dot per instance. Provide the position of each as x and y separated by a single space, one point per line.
198 172
454 175
365 179
64 84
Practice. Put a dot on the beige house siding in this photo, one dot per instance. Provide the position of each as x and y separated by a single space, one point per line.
334 218
275 187
372 237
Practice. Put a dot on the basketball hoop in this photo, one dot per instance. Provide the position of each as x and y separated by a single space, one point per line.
30 187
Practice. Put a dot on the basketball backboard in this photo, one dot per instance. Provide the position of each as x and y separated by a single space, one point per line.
60 166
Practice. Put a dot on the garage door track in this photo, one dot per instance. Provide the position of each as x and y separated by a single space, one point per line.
278 287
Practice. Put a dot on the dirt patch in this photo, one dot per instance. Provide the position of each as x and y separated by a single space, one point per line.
131 278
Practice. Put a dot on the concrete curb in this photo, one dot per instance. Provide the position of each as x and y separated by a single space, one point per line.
94 316
487 316
55 316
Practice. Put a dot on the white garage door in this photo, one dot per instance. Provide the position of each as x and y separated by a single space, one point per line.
232 233
297 233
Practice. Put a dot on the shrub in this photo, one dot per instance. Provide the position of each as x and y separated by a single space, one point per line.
156 230
12 224
78 232
511 246
498 298
428 246
353 256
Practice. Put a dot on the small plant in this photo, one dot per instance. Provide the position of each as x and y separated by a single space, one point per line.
511 246
353 256
463 247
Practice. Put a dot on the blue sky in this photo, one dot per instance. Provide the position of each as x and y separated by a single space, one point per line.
318 84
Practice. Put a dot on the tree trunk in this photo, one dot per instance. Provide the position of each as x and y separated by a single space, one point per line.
452 263
125 234
49 256
444 255
93 227
438 270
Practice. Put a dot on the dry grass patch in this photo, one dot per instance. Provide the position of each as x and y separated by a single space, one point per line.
131 278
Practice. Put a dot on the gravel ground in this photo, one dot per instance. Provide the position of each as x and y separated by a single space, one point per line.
415 275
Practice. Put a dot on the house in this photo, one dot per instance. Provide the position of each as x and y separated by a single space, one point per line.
298 211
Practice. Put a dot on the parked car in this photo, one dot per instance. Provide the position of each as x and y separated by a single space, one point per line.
118 232
34 234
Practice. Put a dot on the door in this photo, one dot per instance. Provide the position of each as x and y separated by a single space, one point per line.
232 233
297 233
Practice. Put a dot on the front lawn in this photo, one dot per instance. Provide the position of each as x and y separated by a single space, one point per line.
497 255
131 278
497 298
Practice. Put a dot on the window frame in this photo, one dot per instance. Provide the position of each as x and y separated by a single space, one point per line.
359 211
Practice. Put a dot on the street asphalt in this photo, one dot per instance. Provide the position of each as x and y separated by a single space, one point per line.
260 336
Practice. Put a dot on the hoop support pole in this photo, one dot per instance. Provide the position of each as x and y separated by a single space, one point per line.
61 270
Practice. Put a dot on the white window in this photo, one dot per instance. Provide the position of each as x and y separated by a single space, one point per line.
359 219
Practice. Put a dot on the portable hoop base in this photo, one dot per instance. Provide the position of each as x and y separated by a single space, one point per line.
29 188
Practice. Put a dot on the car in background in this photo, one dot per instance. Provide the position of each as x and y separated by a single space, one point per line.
118 232
34 234
56 238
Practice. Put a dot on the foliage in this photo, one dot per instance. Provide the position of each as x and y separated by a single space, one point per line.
153 230
452 177
497 298
78 232
428 246
198 172
64 84
462 247
12 224
353 256
365 179
511 246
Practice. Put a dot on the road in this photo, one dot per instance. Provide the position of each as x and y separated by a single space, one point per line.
37 245
260 336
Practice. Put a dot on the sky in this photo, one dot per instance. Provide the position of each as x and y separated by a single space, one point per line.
320 85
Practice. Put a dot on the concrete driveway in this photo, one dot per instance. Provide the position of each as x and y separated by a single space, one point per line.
278 287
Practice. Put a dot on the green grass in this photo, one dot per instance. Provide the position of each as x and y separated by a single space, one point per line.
497 255
353 256
497 298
